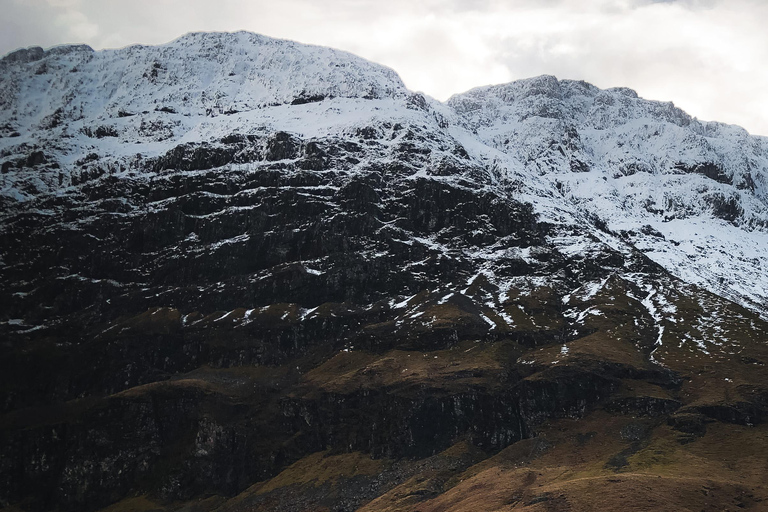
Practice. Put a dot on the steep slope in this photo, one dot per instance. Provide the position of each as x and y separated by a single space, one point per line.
692 195
322 291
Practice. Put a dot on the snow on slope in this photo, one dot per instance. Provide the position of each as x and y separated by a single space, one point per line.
126 105
200 73
692 195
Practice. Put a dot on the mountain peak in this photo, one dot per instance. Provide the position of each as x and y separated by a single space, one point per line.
198 73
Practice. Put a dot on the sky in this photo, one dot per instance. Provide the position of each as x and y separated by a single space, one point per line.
710 57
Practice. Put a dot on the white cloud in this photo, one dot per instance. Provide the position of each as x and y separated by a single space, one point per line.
705 55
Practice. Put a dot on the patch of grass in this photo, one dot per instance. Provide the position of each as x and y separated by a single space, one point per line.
590 352
662 454
135 504
465 364
640 388
168 386
152 321
436 477
321 468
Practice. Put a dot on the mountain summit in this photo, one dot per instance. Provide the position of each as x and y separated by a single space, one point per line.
241 273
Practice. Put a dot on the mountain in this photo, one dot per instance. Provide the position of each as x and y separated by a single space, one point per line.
241 273
691 195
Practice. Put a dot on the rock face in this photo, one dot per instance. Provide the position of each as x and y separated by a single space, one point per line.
247 274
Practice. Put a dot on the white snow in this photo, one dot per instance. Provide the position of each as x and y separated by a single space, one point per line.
544 129
487 320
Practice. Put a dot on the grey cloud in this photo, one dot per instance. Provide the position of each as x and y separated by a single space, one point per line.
27 24
706 55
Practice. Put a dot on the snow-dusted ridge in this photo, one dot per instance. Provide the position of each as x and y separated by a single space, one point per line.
692 195
199 73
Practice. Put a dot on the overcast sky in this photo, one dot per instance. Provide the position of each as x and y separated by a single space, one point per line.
708 56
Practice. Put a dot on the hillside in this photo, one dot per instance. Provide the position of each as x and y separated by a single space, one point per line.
241 273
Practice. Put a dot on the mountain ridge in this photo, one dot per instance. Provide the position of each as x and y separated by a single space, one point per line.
549 127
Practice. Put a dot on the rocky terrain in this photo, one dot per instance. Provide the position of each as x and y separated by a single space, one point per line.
240 273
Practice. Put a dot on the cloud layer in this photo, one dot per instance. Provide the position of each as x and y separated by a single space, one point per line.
707 56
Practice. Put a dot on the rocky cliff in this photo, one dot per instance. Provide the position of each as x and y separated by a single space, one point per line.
240 273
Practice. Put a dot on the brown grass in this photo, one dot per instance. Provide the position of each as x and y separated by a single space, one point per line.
726 470
466 364
135 504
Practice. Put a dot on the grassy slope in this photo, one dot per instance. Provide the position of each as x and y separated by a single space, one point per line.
611 459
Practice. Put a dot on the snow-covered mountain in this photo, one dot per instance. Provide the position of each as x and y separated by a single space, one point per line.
198 74
692 195
240 273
